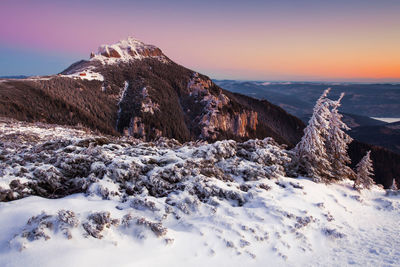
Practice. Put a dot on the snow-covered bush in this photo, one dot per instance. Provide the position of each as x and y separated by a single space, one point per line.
113 168
97 222
44 225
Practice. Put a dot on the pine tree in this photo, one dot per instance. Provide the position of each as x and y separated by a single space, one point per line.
337 141
394 186
312 159
364 173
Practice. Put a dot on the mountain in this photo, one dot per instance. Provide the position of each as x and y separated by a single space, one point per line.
132 88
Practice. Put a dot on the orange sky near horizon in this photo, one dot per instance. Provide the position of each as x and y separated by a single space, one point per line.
318 53
356 40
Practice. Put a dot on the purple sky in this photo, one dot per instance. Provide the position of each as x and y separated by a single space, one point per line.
266 40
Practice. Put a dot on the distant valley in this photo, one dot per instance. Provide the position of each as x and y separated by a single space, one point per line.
298 98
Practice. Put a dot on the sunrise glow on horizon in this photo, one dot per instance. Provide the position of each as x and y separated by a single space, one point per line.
256 40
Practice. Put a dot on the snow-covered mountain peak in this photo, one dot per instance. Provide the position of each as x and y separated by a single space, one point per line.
126 50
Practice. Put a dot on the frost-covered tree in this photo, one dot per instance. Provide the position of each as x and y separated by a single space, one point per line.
364 173
394 186
311 156
337 141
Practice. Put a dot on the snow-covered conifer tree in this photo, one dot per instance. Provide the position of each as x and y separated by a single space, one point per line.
364 173
311 157
394 186
337 141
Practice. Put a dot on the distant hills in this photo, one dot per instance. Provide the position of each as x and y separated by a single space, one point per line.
14 77
387 135
353 120
298 98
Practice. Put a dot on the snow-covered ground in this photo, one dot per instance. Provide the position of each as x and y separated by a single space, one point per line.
86 74
169 204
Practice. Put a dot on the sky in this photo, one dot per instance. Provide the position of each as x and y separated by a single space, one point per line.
309 40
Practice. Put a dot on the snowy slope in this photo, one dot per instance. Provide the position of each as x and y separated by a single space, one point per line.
163 203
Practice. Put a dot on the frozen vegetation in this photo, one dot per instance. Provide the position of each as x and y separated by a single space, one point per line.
74 198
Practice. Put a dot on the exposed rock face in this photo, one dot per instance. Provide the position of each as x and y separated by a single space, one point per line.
213 118
237 124
136 127
147 104
150 51
110 52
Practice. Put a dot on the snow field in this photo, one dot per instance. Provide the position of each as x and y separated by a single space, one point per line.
165 203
